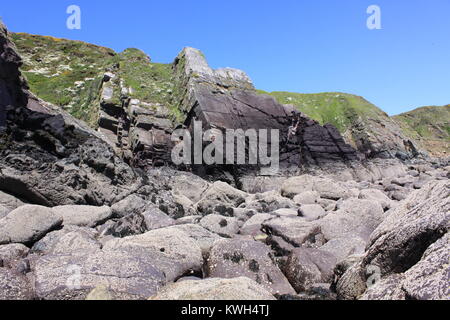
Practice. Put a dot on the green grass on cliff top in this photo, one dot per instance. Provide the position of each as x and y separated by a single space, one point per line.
339 109
426 122
66 73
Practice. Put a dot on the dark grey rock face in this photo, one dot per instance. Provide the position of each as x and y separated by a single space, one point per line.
47 157
226 99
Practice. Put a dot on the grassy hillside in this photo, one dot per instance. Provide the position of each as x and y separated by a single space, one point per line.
430 126
339 109
69 74
65 72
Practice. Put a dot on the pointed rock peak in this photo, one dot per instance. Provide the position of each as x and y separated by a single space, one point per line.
196 66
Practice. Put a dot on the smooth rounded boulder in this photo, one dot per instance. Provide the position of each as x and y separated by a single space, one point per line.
28 224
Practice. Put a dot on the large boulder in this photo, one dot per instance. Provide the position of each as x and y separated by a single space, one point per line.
215 289
203 237
345 246
253 226
224 226
376 195
354 217
77 239
8 203
267 202
326 188
28 224
129 274
173 250
251 259
219 197
306 266
409 229
411 242
83 216
137 223
130 205
294 230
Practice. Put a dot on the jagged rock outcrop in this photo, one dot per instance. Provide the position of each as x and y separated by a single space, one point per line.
46 156
226 99
140 103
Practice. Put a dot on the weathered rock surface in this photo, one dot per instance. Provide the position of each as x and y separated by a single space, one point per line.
355 217
52 159
223 226
173 250
215 289
78 239
28 224
251 259
8 203
83 216
305 267
267 202
204 238
294 230
220 198
412 242
311 212
73 277
12 252
14 286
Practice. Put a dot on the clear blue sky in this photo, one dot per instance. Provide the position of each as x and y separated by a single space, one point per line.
286 45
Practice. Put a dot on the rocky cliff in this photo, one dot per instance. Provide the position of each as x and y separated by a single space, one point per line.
139 103
47 156
88 214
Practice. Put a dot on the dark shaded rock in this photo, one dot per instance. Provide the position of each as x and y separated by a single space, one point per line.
138 223
226 99
52 159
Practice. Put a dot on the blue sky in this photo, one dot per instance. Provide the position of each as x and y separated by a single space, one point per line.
303 46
